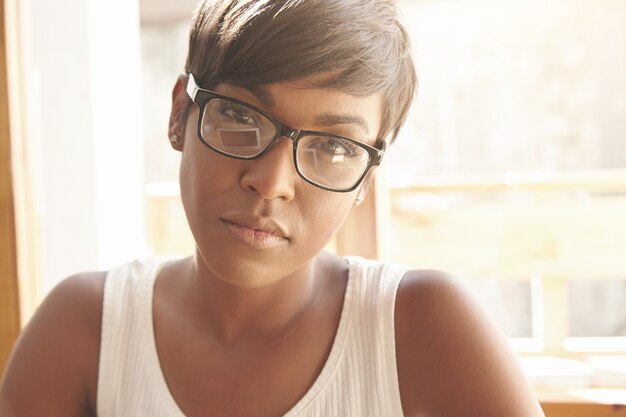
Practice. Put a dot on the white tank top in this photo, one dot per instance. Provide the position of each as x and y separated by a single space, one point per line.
359 378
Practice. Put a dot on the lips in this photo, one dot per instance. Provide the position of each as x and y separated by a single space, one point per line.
255 231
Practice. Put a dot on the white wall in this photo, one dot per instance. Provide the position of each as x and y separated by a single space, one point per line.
83 100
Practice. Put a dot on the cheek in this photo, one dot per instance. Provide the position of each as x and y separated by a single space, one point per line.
205 186
203 176
202 171
188 179
191 165
327 214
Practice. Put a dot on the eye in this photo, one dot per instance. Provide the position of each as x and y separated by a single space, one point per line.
337 147
237 113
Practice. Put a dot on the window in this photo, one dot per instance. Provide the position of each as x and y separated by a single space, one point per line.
511 174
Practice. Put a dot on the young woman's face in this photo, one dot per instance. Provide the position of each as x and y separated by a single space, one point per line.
257 221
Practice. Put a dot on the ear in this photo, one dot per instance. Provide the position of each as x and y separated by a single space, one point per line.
178 122
365 186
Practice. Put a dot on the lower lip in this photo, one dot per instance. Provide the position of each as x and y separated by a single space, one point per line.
253 237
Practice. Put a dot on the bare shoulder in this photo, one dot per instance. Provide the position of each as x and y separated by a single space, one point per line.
452 360
54 364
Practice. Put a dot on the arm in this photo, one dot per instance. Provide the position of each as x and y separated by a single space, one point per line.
53 368
452 360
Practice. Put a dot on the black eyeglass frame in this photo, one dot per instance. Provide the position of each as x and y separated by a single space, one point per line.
201 97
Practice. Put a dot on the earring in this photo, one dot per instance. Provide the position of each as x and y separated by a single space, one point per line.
174 139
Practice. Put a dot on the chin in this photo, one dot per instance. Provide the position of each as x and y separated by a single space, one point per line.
247 271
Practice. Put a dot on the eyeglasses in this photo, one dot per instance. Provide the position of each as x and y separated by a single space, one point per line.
239 130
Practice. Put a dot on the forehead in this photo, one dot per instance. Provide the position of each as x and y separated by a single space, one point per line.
303 104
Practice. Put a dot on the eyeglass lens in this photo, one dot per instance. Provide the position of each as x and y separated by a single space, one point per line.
240 131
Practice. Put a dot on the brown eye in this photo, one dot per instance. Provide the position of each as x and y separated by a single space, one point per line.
237 114
335 147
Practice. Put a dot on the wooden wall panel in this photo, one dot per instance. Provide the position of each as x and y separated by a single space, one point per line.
9 304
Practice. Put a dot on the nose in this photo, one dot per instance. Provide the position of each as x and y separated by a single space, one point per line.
274 174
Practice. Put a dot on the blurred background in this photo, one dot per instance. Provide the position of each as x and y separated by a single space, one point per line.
510 172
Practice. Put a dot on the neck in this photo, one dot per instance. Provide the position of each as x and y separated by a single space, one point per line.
239 315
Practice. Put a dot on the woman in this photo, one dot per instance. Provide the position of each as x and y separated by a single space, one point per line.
282 115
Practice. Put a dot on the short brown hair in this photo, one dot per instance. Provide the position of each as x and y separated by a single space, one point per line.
253 42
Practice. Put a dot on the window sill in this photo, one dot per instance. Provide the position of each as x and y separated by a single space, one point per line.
583 402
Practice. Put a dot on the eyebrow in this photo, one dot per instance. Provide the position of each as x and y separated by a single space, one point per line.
333 119
261 94
323 120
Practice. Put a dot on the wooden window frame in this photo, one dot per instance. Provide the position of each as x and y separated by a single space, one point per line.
9 295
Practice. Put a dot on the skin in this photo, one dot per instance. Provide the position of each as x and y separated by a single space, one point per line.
256 324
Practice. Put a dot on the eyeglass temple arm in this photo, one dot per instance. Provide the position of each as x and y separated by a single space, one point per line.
192 87
383 147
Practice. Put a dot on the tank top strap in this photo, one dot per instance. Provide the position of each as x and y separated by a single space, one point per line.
373 339
364 377
128 359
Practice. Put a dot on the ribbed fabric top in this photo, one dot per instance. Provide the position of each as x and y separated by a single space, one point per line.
359 378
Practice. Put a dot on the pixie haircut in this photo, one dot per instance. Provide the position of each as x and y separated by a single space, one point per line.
360 43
